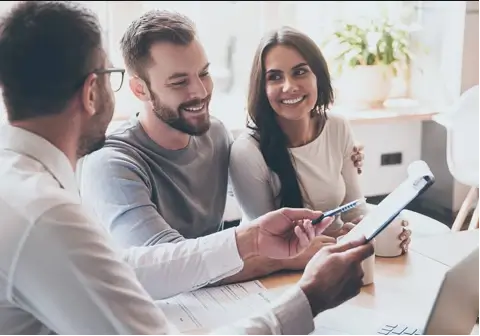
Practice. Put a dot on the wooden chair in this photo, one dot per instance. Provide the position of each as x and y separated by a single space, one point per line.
473 198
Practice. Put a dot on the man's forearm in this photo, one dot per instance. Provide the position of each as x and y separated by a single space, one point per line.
168 269
165 236
254 266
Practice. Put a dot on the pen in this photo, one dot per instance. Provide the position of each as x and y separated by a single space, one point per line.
338 210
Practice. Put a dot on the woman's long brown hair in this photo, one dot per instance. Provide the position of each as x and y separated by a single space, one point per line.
266 129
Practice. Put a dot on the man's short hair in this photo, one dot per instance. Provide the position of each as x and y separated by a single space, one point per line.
47 49
153 27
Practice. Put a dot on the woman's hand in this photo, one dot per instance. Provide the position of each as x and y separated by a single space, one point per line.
357 157
405 236
346 227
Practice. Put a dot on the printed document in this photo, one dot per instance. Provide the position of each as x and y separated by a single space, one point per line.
213 307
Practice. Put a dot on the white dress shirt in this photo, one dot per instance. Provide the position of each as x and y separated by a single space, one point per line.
61 273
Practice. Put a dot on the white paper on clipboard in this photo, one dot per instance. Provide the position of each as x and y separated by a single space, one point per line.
419 178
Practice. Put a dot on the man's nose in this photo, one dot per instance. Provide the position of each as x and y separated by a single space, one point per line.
197 89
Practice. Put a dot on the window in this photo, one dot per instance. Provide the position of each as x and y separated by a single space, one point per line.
231 30
437 76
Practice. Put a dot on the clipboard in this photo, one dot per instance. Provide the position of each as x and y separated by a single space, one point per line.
419 179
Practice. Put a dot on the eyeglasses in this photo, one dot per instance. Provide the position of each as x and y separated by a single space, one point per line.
115 75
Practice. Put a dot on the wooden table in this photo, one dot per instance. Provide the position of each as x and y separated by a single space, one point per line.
403 291
439 247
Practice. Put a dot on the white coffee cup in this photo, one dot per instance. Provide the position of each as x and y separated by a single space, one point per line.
387 243
368 267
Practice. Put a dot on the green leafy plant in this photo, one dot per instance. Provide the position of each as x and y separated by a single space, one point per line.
372 42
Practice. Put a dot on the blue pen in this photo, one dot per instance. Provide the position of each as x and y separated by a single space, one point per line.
338 210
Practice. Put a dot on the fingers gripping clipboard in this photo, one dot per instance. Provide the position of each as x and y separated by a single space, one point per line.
419 179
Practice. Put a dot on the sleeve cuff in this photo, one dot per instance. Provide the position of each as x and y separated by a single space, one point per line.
293 312
221 255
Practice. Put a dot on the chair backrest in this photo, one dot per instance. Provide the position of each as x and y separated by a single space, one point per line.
462 138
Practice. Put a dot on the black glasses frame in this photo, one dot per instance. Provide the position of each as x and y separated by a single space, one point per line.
109 71
103 72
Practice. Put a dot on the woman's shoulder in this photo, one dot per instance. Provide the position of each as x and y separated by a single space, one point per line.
337 120
338 126
246 158
245 141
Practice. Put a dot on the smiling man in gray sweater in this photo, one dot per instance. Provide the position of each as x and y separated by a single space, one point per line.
163 175
149 194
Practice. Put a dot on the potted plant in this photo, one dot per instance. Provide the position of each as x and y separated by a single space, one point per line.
368 55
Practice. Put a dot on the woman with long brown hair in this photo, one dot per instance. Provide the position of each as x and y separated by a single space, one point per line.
295 154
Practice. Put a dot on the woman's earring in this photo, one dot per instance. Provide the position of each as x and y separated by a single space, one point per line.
317 109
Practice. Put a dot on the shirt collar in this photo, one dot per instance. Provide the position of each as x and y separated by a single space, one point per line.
34 146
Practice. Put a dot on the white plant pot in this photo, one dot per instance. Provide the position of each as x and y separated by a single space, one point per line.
365 86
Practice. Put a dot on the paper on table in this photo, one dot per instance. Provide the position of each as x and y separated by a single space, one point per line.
215 306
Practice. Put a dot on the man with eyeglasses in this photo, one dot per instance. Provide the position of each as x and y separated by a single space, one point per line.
59 271
163 176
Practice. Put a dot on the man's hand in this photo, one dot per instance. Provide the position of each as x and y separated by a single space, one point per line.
270 241
285 233
357 157
334 275
299 262
346 227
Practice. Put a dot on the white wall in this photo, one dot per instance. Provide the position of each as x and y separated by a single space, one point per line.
378 139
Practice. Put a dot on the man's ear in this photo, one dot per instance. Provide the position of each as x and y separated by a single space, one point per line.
89 94
139 88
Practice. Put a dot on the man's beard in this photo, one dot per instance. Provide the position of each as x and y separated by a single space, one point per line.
95 137
88 146
177 120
